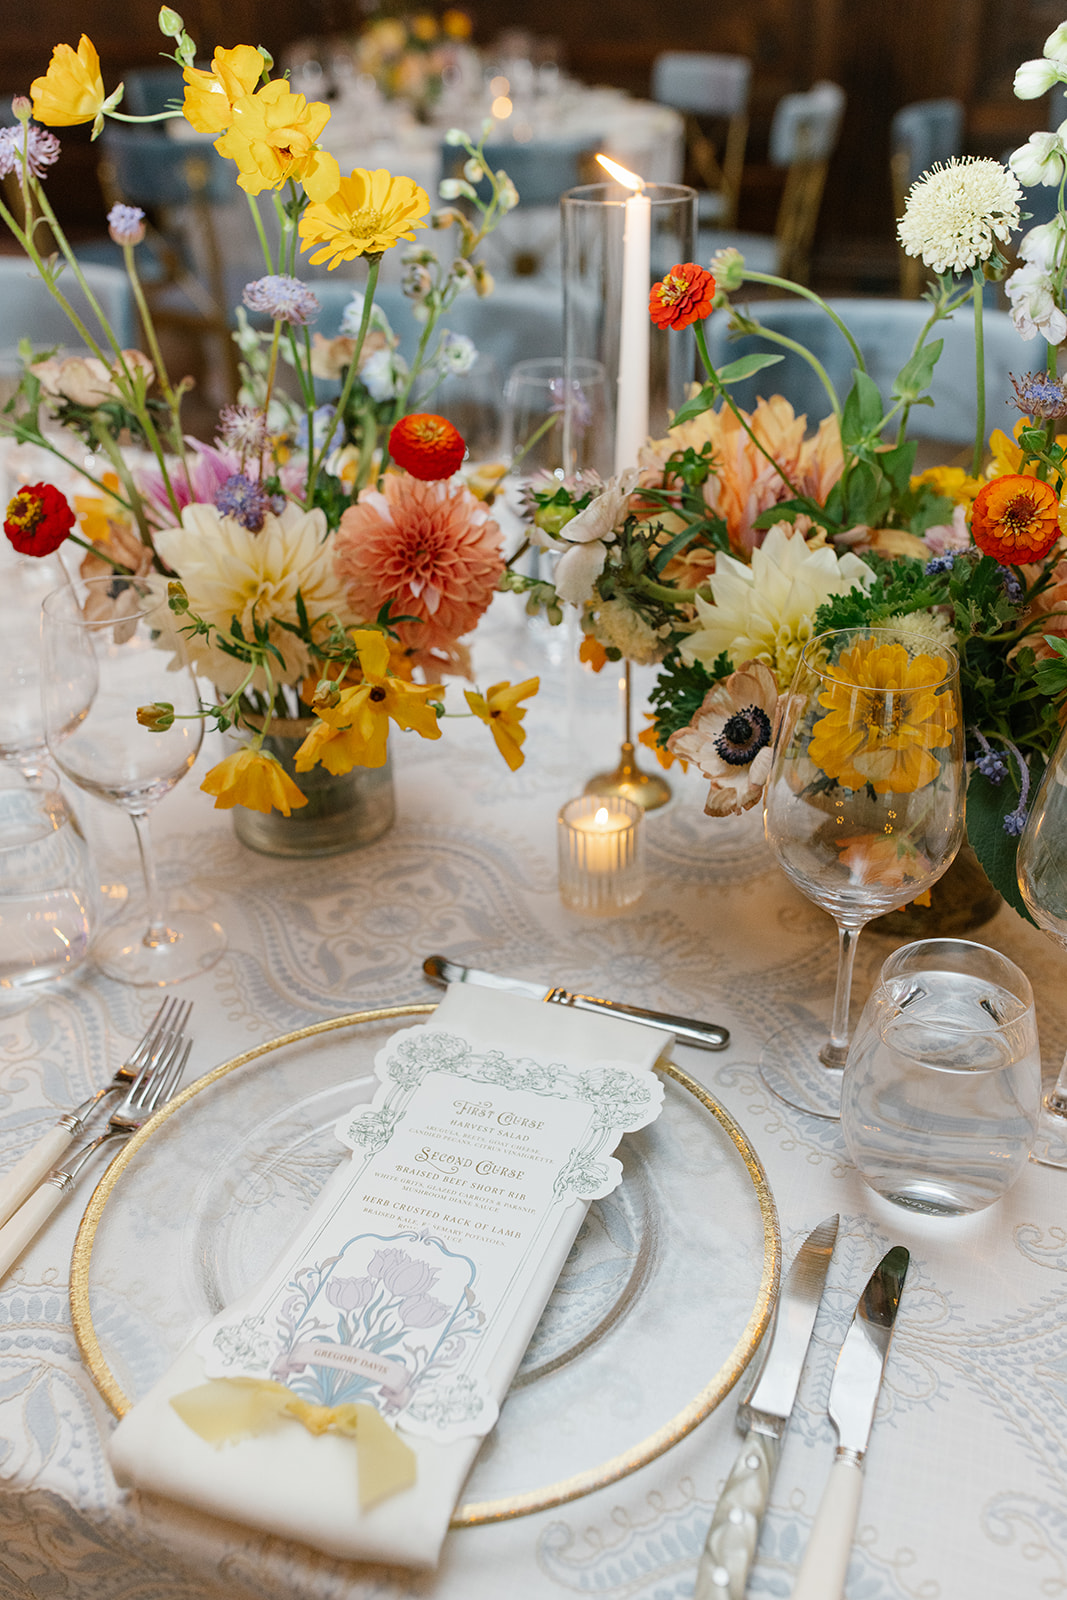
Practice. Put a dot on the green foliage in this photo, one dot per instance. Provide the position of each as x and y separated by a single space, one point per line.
987 806
679 692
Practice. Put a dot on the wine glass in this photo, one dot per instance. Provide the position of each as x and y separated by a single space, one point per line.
1041 866
104 656
864 808
537 408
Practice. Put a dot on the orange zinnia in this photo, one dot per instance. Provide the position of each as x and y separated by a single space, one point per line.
427 446
683 297
1016 519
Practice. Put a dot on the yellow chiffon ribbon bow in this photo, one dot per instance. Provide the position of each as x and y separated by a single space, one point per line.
228 1409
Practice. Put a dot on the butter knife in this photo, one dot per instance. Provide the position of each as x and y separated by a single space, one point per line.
730 1547
704 1035
853 1398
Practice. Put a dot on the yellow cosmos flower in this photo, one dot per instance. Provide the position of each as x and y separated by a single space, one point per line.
210 96
254 779
355 730
272 138
885 718
368 213
952 482
502 714
72 89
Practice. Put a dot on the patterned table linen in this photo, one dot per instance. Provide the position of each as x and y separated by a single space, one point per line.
966 1482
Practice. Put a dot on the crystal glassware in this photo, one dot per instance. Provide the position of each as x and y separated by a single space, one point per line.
939 1104
106 653
24 582
1041 865
864 809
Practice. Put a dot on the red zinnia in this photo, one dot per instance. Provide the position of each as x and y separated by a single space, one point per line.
684 296
427 446
38 519
1015 519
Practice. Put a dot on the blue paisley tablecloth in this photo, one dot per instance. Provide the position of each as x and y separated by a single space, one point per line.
966 1483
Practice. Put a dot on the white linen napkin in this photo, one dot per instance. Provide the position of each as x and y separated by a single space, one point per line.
300 1486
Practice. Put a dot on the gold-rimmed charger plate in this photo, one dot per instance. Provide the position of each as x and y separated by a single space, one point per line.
656 1314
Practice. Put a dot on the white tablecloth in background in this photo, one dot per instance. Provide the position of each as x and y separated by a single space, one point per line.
966 1479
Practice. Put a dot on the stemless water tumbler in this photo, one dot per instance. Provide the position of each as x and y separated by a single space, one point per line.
943 1084
47 899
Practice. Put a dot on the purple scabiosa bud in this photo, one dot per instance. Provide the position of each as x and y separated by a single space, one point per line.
125 224
1040 396
244 501
943 563
282 298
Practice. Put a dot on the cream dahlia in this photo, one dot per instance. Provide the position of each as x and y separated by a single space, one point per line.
230 572
431 549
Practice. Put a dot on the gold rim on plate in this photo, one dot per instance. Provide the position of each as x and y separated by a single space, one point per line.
479 1512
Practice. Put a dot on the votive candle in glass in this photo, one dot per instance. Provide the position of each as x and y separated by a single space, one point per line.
601 853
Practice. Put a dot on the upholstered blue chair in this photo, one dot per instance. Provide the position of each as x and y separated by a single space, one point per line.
28 311
804 132
709 89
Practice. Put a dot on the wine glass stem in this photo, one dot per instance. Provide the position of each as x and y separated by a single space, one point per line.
835 1050
157 932
1056 1099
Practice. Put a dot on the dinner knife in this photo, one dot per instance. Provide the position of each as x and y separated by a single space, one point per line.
853 1398
704 1035
730 1547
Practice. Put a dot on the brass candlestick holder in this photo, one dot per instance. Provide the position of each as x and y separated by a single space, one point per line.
646 789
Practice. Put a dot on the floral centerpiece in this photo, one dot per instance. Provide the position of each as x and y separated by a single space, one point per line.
409 53
324 559
741 535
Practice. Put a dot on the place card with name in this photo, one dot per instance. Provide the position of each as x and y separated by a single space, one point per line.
399 1289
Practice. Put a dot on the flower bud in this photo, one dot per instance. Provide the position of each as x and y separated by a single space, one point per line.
170 24
157 718
728 270
268 59
551 519
21 108
177 598
1035 78
455 136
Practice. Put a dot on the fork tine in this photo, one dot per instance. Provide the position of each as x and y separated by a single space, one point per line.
162 1022
165 1081
153 1072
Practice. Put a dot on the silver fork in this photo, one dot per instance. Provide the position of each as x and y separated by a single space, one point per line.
166 1026
153 1087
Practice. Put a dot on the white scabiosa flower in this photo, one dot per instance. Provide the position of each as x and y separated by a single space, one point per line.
955 213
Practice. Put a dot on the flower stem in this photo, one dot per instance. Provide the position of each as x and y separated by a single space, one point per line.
816 299
374 266
979 377
713 378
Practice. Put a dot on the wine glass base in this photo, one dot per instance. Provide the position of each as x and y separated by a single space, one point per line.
790 1067
1049 1148
194 944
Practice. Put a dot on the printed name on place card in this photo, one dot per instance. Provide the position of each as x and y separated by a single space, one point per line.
398 1291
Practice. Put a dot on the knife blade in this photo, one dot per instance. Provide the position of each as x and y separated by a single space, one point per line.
704 1035
730 1547
853 1398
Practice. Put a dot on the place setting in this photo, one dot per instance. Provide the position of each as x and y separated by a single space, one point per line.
455 1174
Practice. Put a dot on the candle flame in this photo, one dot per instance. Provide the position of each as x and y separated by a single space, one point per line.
600 817
629 180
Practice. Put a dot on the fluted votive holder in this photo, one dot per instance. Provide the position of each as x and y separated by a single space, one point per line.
601 853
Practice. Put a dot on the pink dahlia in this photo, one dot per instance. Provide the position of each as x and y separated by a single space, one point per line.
430 548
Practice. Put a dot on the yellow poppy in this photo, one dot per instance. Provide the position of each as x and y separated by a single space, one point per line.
499 709
210 96
272 138
72 89
254 779
354 731
367 214
885 718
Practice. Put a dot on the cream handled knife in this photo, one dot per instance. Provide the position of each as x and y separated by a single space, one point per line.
704 1035
853 1398
730 1548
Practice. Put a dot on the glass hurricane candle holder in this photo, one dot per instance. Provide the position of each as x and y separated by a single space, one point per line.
601 854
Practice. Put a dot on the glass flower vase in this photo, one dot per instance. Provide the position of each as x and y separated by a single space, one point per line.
343 812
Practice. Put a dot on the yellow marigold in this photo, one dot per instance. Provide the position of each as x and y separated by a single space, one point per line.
272 138
354 731
72 89
210 96
499 709
368 213
254 779
885 718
